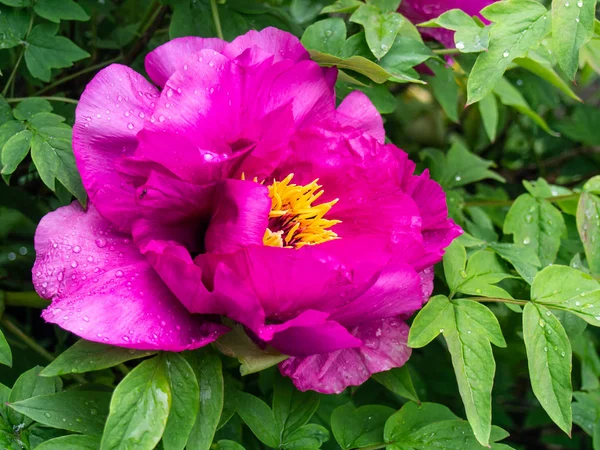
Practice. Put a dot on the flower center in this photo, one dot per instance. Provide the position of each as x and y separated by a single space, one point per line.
294 221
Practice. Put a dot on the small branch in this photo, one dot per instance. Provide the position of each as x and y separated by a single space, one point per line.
10 326
77 74
215 14
30 299
51 99
447 51
149 30
6 323
14 71
497 300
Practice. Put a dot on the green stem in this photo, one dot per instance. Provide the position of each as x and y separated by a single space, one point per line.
497 300
77 74
447 51
6 323
10 326
14 71
123 369
557 198
216 19
52 99
30 299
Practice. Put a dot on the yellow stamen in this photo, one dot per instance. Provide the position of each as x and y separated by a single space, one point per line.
298 222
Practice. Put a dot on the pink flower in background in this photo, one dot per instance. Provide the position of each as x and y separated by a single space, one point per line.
237 188
419 11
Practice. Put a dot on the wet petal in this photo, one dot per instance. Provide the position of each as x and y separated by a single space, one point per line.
163 61
272 42
103 290
384 347
110 113
358 112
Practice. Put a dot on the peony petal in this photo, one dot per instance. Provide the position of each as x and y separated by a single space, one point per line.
272 42
357 111
397 291
226 294
308 334
166 59
330 373
240 216
286 281
110 113
103 290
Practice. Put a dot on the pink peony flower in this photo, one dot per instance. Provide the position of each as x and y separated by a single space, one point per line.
419 11
238 189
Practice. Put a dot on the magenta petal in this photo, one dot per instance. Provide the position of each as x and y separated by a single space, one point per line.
397 291
358 112
228 294
308 334
163 61
110 113
272 42
103 290
240 217
330 373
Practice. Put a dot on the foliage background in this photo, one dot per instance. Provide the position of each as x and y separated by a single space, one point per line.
482 134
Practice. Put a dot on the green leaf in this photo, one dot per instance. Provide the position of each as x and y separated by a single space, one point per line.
470 36
585 350
538 224
327 36
488 108
237 344
52 154
592 185
468 328
549 360
139 408
307 437
207 367
18 3
28 385
342 6
227 445
428 426
427 324
475 277
357 64
27 108
385 5
292 408
572 324
185 401
510 96
398 381
582 125
380 28
85 356
588 225
5 353
77 411
13 26
570 289
45 51
543 68
72 442
444 87
259 418
519 25
459 167
586 411
522 257
359 427
572 26
15 151
403 56
5 112
57 10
